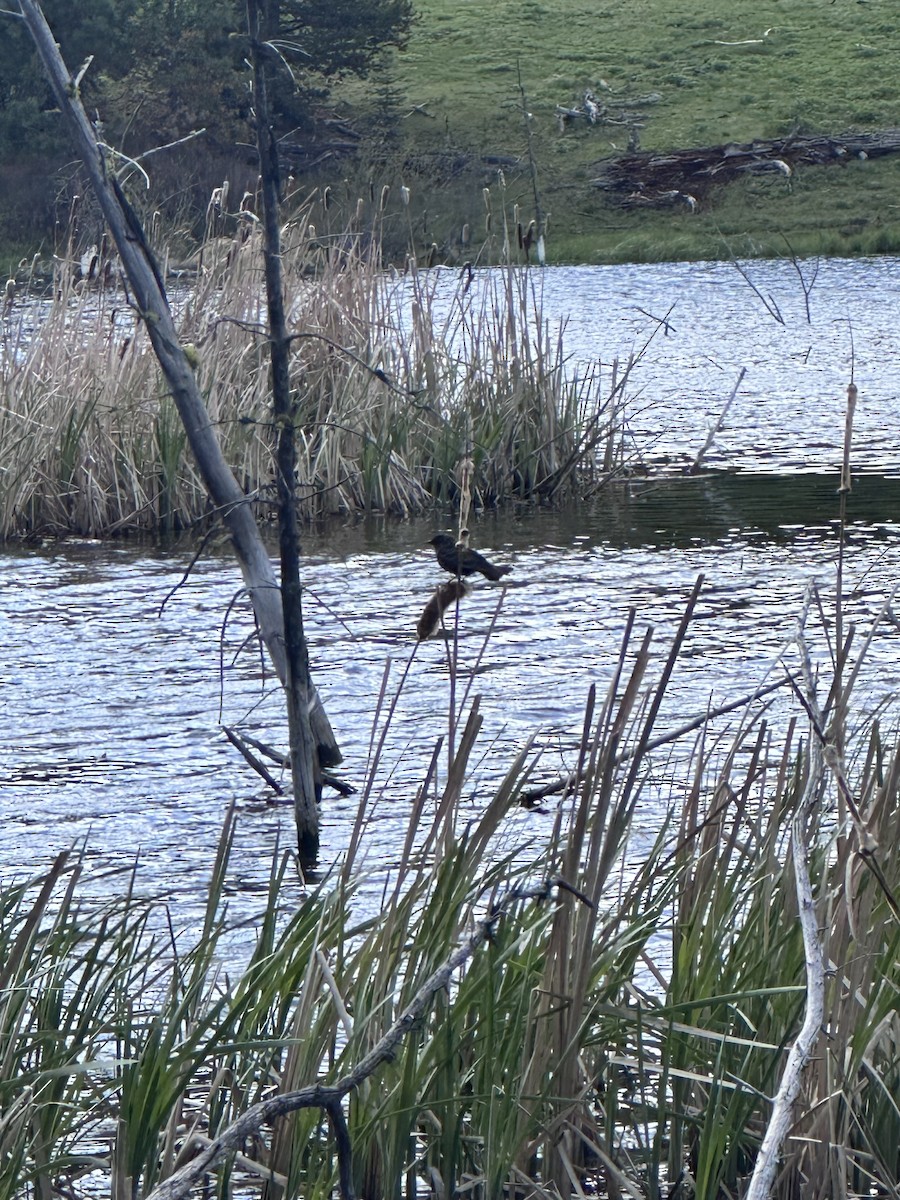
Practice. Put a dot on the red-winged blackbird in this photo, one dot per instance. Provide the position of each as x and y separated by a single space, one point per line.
460 560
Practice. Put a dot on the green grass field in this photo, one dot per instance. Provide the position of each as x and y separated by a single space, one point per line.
733 72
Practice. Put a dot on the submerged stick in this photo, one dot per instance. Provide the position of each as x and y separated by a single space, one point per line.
257 764
711 436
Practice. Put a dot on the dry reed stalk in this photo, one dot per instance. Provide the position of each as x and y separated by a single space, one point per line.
396 373
432 617
572 1052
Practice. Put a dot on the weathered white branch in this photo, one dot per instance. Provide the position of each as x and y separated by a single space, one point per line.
320 1095
782 1117
144 277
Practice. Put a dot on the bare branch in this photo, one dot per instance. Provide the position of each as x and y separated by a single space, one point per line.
258 766
714 429
782 1118
330 1096
143 272
188 137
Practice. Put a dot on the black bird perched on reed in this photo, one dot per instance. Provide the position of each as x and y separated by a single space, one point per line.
460 560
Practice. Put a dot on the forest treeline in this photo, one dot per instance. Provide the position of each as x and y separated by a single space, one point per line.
160 70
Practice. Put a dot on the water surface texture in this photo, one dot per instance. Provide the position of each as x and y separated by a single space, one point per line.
694 326
114 685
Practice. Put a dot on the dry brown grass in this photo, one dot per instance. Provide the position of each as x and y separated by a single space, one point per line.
395 374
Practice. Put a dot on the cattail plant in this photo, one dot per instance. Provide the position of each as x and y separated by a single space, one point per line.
619 1032
394 374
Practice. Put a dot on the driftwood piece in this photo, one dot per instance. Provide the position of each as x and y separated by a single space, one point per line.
246 743
654 177
257 764
610 110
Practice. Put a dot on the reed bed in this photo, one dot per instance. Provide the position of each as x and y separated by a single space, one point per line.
618 1034
397 377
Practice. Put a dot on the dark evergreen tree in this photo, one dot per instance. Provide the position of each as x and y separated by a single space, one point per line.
338 37
162 68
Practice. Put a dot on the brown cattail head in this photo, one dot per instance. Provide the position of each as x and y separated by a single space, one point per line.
430 621
846 478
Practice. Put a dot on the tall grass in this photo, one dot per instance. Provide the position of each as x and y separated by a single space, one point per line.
390 371
618 1034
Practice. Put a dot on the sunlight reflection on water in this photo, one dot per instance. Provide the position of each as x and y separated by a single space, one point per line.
111 731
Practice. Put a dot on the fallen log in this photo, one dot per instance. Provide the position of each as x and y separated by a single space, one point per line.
652 177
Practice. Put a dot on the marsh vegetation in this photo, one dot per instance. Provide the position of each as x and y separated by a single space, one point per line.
620 1031
617 1031
388 392
579 1015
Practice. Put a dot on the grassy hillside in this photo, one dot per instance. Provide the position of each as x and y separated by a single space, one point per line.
735 71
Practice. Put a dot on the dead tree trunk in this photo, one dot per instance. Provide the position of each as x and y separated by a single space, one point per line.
305 776
143 275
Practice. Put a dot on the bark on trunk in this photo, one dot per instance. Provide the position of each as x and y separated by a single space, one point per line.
305 774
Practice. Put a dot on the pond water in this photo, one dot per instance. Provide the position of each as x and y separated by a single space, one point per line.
694 326
113 700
